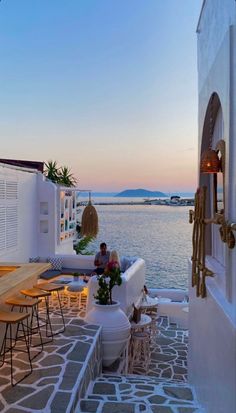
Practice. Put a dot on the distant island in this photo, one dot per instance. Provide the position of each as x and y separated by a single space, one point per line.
140 193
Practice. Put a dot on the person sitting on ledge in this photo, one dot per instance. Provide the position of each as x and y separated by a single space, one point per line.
114 257
101 259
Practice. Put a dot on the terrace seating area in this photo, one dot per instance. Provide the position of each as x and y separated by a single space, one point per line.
67 365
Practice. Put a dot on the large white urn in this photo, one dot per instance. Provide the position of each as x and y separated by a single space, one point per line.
115 329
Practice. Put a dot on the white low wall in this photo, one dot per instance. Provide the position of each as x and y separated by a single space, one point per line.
176 309
128 292
212 349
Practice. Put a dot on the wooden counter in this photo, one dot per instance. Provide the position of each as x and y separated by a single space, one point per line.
12 281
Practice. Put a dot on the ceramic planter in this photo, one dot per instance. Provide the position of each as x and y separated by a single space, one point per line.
115 329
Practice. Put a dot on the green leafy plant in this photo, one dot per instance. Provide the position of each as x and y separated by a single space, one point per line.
82 245
52 171
59 174
66 178
106 282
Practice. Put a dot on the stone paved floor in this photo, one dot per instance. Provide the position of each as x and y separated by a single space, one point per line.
168 352
134 394
60 374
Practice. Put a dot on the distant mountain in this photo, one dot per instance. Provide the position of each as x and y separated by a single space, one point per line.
143 193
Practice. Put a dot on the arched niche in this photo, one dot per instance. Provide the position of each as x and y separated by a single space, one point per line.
212 135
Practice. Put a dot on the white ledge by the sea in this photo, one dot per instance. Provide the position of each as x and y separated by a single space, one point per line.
171 303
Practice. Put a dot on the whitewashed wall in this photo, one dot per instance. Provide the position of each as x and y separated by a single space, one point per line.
212 321
29 221
23 226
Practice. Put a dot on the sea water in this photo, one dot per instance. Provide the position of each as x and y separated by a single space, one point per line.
160 234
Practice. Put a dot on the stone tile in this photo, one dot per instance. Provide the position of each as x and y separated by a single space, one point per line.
187 410
89 406
52 360
182 393
124 386
163 340
113 407
3 381
41 373
144 387
79 352
60 402
92 326
38 400
161 409
19 392
179 370
14 410
156 399
95 397
141 393
70 375
162 357
104 388
64 349
45 382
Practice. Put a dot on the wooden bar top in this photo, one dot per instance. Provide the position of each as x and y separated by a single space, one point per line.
12 274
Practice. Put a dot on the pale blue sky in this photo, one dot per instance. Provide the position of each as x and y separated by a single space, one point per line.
108 87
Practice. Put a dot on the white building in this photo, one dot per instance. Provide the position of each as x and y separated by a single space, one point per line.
212 322
37 217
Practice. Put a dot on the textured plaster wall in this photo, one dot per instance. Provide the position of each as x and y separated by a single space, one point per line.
212 321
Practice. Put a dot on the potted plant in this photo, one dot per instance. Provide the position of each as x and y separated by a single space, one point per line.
106 282
108 314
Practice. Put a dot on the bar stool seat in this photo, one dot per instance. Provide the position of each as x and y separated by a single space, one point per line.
37 293
22 302
54 288
9 319
139 351
28 304
49 287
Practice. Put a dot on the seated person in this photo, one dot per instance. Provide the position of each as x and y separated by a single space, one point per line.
101 259
114 257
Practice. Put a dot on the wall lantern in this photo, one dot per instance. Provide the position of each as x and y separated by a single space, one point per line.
210 162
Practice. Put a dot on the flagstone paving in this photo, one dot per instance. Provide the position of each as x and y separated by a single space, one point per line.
72 364
61 373
136 393
163 388
169 351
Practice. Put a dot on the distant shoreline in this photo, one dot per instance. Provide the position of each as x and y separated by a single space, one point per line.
166 202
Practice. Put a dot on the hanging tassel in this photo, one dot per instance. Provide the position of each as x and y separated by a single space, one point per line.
89 222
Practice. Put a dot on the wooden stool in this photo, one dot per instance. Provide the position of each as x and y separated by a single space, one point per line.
139 351
54 288
37 293
10 319
28 305
74 290
152 312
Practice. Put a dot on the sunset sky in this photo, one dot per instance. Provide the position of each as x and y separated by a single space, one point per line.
107 87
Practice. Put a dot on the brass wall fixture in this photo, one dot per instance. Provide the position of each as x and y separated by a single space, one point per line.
226 229
197 217
199 220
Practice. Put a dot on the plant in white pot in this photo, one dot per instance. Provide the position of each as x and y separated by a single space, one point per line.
108 314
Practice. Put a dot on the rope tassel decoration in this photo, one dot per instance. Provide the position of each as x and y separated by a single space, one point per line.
89 222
